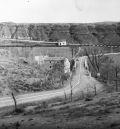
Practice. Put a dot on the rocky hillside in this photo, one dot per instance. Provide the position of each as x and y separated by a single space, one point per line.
97 33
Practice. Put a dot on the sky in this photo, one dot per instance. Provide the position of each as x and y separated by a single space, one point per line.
59 11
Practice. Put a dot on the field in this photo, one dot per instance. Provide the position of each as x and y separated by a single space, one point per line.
101 112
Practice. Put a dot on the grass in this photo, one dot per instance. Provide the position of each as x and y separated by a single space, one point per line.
57 113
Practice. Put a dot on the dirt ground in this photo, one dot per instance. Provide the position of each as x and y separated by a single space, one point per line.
102 112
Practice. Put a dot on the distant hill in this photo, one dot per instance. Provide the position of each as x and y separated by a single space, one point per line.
93 33
105 33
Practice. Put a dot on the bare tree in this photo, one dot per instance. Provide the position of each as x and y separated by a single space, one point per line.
30 31
71 89
12 91
15 102
65 95
116 69
95 90
95 58
13 32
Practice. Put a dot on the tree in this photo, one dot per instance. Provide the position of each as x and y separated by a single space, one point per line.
10 80
64 77
30 31
15 102
14 31
65 95
111 72
71 88
56 76
106 69
95 58
43 36
37 32
59 32
116 69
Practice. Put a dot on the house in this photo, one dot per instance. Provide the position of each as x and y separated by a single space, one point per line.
62 43
48 62
51 60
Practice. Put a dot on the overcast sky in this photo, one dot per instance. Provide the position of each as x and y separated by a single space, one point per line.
52 11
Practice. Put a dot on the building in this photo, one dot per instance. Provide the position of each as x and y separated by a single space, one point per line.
40 59
62 43
48 62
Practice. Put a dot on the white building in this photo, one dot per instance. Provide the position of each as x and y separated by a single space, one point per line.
62 43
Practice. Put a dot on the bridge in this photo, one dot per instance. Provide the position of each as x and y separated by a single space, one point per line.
33 43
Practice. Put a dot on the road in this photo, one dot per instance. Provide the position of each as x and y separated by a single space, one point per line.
81 81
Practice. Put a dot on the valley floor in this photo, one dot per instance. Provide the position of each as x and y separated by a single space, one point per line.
102 112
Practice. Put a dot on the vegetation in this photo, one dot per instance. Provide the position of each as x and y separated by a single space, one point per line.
22 78
96 59
100 33
56 76
105 68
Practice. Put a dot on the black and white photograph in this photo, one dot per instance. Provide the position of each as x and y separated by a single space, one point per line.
59 64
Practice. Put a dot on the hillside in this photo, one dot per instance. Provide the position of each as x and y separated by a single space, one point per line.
24 75
107 33
96 33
